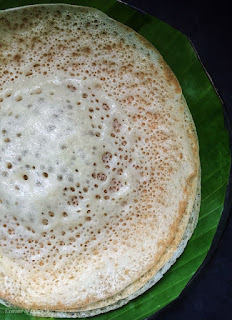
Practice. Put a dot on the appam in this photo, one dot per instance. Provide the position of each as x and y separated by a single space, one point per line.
100 169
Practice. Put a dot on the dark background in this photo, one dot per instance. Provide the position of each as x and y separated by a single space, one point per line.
209 26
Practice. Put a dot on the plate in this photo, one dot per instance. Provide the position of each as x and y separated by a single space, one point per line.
207 112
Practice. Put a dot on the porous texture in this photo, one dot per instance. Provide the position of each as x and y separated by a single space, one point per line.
99 162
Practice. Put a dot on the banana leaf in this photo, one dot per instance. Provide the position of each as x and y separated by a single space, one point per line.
207 111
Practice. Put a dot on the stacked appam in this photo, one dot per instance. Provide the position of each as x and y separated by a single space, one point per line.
99 163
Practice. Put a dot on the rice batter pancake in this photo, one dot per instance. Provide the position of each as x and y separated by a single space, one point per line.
99 164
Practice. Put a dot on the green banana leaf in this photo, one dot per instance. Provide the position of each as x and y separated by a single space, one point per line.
206 109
